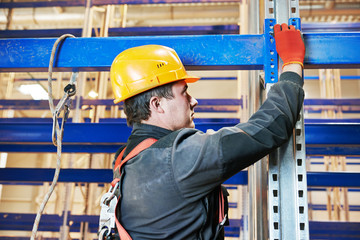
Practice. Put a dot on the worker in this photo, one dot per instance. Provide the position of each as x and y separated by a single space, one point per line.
171 189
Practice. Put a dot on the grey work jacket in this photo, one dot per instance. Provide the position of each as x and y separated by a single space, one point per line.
169 190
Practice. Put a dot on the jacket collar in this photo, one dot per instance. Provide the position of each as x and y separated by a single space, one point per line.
141 132
148 131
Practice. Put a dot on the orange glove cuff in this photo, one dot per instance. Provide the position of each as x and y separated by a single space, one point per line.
302 65
289 44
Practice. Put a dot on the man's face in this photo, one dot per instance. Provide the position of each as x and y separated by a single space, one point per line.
179 110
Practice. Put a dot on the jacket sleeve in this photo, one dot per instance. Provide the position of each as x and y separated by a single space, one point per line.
202 161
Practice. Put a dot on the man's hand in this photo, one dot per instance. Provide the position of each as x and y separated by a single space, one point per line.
289 44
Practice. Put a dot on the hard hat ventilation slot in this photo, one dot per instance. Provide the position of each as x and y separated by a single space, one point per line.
160 65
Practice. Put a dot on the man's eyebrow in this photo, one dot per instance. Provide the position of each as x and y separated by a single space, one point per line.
185 88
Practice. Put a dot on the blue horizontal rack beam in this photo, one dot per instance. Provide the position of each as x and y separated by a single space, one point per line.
80 3
333 179
129 31
330 27
332 102
204 105
330 121
35 175
238 52
49 222
319 43
345 77
332 134
171 30
52 222
97 54
320 138
318 230
323 207
226 121
334 230
320 109
332 139
93 79
44 104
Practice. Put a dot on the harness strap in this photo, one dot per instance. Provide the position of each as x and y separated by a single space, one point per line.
221 206
124 235
139 148
222 214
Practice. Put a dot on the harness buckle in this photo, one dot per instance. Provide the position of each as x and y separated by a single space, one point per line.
107 213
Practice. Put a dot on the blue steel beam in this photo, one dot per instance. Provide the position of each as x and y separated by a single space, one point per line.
331 121
347 77
328 49
49 222
332 139
97 54
171 30
331 150
321 139
334 230
36 175
129 31
332 134
347 110
102 133
332 102
232 52
80 3
44 104
232 121
323 207
330 27
93 79
333 179
52 222
205 105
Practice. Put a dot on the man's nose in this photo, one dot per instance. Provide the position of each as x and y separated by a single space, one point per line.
193 102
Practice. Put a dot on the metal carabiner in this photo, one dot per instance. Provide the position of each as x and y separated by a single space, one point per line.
107 212
64 104
112 191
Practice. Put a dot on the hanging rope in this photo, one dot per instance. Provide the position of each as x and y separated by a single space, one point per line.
57 132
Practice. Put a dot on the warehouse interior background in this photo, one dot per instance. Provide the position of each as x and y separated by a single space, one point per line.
44 20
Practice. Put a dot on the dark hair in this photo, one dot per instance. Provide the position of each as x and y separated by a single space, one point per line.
137 108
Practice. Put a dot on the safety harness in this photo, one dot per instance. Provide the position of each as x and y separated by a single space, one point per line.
108 217
124 235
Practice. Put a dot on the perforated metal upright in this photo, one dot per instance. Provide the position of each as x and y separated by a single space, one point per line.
257 181
287 190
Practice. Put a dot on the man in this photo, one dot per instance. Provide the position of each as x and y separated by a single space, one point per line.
171 189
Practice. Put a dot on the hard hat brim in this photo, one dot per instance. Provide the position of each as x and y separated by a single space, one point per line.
191 79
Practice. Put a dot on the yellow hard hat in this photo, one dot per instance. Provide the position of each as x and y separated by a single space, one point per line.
139 69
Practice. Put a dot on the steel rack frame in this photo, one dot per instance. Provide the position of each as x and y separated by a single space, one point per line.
238 52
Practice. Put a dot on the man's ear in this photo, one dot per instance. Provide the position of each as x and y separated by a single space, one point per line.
155 104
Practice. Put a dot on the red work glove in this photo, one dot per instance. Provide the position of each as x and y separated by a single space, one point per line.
289 44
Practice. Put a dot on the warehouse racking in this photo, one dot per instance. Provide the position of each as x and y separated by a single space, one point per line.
333 137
